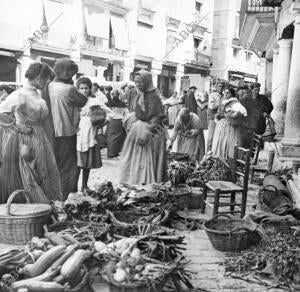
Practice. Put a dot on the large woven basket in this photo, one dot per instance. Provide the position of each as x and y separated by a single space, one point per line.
20 222
179 195
229 234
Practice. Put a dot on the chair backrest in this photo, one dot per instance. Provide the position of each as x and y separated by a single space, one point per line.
256 147
241 165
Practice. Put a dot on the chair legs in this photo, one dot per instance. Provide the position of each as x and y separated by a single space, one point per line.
251 174
204 198
244 201
216 202
232 201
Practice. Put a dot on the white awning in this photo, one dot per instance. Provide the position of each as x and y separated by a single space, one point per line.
97 23
118 26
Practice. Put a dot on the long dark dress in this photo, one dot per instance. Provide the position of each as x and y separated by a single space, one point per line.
145 164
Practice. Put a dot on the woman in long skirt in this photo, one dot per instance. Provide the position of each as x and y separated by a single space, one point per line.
144 151
172 104
115 133
190 135
27 158
228 125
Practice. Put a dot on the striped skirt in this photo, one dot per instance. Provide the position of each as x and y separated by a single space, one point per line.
28 163
226 136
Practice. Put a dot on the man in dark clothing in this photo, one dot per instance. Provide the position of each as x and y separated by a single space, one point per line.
190 100
263 105
258 107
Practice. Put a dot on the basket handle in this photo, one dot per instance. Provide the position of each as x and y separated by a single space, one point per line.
222 215
238 229
267 186
11 198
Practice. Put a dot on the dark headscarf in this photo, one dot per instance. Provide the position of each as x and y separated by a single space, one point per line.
64 70
147 79
148 105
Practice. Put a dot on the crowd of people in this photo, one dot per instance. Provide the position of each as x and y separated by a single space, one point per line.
53 128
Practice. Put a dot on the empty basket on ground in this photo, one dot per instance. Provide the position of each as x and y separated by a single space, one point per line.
196 199
229 234
20 222
180 195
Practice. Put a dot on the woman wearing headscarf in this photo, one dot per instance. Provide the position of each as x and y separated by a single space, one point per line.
27 158
172 108
144 151
229 119
115 133
64 102
190 135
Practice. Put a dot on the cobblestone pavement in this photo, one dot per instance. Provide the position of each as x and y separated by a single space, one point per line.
206 261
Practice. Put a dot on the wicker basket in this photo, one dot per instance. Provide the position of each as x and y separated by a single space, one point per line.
196 199
20 222
229 234
180 196
178 156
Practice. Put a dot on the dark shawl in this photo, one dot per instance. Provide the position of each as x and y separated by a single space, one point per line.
190 102
154 110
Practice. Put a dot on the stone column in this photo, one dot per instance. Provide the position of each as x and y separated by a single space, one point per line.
280 88
262 74
291 141
274 70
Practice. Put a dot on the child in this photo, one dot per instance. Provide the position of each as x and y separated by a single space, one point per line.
88 151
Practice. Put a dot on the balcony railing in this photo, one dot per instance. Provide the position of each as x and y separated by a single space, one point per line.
256 6
96 45
198 58
201 59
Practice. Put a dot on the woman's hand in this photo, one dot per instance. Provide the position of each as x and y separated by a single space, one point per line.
24 129
194 132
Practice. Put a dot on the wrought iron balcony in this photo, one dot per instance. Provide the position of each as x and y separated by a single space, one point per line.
255 6
95 45
197 57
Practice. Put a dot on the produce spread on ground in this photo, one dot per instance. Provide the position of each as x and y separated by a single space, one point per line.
128 238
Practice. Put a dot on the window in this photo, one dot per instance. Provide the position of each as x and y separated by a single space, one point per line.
248 56
198 6
235 52
197 43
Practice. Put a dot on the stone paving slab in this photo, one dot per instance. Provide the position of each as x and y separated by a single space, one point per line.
207 265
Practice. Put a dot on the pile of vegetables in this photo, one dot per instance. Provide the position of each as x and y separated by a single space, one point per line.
127 266
87 206
179 172
275 263
58 269
210 167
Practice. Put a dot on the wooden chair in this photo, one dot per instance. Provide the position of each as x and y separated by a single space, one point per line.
229 189
255 148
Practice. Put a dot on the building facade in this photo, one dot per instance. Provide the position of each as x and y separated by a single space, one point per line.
274 30
230 60
111 39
